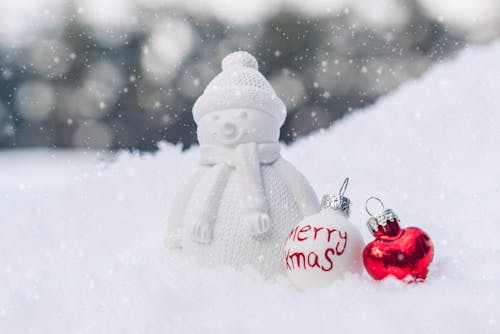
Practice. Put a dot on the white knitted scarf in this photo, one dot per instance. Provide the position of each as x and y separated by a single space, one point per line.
246 160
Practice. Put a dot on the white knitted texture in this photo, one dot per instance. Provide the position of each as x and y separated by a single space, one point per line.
239 59
232 244
241 76
239 210
239 85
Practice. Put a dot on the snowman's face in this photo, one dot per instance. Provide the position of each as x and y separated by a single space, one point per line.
231 127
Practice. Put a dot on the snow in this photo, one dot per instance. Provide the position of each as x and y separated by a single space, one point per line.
81 242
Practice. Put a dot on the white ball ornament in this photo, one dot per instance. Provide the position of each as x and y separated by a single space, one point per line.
324 246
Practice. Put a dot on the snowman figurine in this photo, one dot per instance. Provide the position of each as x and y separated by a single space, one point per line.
244 198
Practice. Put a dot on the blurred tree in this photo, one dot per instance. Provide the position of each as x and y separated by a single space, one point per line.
132 84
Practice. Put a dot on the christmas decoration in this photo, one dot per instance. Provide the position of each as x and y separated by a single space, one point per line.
404 253
240 204
322 247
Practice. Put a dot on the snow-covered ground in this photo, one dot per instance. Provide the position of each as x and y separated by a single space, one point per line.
81 237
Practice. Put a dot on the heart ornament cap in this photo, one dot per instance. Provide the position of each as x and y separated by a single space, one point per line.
383 225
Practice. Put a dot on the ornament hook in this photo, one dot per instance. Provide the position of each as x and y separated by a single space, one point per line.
343 187
374 198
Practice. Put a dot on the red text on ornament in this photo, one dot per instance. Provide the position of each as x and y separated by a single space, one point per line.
311 259
303 233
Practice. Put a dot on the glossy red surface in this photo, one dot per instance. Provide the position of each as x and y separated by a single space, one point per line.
408 253
390 230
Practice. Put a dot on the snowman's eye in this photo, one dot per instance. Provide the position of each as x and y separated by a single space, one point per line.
242 114
215 117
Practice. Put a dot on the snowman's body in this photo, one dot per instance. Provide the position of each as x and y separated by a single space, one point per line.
231 243
244 198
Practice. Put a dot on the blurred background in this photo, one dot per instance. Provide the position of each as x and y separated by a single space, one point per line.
112 74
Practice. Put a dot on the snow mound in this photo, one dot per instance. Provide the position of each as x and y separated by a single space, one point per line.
87 255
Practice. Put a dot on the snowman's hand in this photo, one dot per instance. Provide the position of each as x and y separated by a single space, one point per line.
202 231
174 241
258 222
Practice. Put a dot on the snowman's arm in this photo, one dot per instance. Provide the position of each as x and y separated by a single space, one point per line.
178 209
300 188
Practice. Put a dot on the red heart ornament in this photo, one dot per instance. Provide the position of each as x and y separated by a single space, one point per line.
403 253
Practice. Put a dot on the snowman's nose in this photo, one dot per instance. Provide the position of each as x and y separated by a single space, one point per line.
228 130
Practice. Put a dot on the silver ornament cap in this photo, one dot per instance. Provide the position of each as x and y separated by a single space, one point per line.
339 201
384 223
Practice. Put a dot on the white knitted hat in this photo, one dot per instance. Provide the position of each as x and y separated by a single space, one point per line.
239 85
